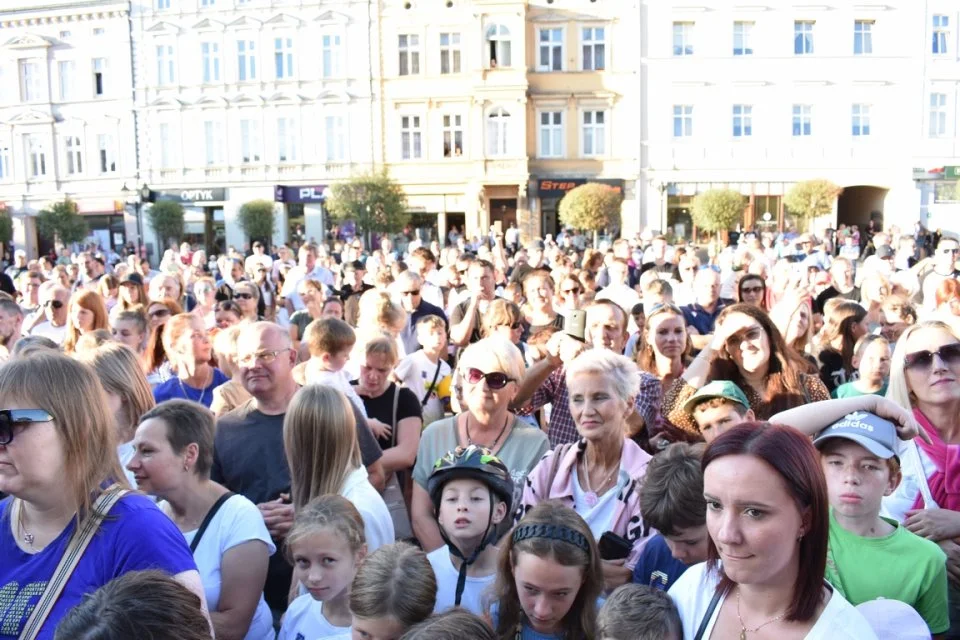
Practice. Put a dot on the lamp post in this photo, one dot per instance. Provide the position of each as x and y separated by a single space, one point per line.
137 198
662 188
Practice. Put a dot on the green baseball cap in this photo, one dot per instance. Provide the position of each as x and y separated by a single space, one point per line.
717 389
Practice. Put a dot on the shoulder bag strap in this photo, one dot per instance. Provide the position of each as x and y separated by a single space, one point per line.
207 519
393 425
709 614
78 544
429 390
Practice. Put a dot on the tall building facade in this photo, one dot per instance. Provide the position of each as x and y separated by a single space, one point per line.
66 117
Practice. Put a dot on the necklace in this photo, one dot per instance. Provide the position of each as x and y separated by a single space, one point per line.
493 446
27 536
743 628
203 389
592 497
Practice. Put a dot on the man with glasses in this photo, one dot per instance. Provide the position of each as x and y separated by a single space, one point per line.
408 287
944 266
423 263
54 302
30 282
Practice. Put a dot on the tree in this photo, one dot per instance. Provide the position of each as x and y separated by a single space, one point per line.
591 207
61 221
812 198
166 218
373 201
717 210
257 219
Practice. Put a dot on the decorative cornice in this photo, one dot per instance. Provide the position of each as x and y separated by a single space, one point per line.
42 20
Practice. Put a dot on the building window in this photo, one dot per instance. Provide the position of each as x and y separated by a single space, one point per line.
65 35
743 38
861 120
335 138
682 120
107 152
938 115
166 145
331 52
408 48
593 43
165 64
941 31
551 50
36 155
74 155
5 161
862 37
286 140
594 133
551 134
213 142
97 32
802 120
99 76
249 141
31 80
452 136
67 71
803 37
498 130
498 46
682 38
742 120
410 138
210 59
246 60
163 4
208 3
449 53
283 57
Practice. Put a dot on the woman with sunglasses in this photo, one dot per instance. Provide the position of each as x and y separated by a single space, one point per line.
568 293
247 296
59 465
488 372
752 289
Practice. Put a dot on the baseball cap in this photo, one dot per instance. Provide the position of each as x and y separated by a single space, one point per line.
132 278
894 620
355 265
873 433
717 389
885 251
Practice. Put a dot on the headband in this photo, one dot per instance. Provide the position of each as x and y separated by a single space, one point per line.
552 532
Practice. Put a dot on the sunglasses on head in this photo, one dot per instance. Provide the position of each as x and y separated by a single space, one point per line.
495 379
9 418
948 353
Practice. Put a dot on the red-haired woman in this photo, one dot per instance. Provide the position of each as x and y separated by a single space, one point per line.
85 314
768 523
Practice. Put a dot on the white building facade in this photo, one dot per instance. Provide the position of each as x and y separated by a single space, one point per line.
66 117
241 100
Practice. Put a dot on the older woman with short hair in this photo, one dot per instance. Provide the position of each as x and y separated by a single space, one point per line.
599 476
488 371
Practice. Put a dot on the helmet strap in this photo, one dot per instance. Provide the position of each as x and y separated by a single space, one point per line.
488 536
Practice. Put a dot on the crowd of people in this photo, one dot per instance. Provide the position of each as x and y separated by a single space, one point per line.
487 439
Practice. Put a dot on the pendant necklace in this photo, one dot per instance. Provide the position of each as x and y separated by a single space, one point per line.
27 536
591 497
203 390
743 628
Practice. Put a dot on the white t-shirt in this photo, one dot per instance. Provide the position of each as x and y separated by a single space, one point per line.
474 589
298 274
47 330
416 372
238 521
377 523
304 621
600 516
693 591
915 469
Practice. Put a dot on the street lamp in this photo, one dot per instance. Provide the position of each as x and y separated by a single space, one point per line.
662 188
137 197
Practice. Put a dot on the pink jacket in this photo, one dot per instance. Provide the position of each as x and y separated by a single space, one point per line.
627 521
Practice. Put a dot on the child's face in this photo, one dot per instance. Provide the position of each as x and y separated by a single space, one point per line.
857 480
387 628
716 420
465 510
689 546
875 361
547 590
432 339
324 563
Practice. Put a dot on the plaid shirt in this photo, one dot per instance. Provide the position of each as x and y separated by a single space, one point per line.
562 427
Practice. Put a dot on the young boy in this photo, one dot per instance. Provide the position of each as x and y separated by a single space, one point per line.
671 501
870 556
425 372
472 492
329 342
636 612
718 406
871 357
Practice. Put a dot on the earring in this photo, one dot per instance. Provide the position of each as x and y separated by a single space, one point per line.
186 467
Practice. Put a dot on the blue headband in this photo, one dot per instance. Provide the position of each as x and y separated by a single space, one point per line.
552 532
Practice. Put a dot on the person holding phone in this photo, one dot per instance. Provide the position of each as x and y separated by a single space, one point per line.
599 476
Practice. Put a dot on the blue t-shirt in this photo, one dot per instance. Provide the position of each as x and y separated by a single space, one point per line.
656 566
134 537
174 388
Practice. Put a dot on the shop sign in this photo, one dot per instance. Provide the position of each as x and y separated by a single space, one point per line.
558 187
938 173
316 193
189 196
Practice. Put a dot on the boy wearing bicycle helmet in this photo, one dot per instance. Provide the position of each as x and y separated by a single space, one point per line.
472 492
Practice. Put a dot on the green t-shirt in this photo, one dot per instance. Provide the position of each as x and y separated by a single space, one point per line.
848 390
900 566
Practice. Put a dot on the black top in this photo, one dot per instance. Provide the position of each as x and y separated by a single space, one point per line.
381 408
831 368
831 292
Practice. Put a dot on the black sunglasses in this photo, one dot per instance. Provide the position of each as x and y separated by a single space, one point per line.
9 418
56 304
948 353
243 296
416 292
495 379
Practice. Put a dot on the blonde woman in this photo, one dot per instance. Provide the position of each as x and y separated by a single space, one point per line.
378 315
231 394
205 291
247 296
320 440
188 349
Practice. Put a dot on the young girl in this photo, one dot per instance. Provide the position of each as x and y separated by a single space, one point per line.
394 589
871 356
845 324
549 578
325 545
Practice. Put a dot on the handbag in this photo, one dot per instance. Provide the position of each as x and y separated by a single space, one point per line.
78 544
393 494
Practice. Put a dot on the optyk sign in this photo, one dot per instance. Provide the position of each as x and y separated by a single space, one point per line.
190 196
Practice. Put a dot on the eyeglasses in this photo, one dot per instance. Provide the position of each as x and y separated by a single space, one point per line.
10 418
411 293
56 304
262 357
160 313
495 379
243 296
516 325
948 353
